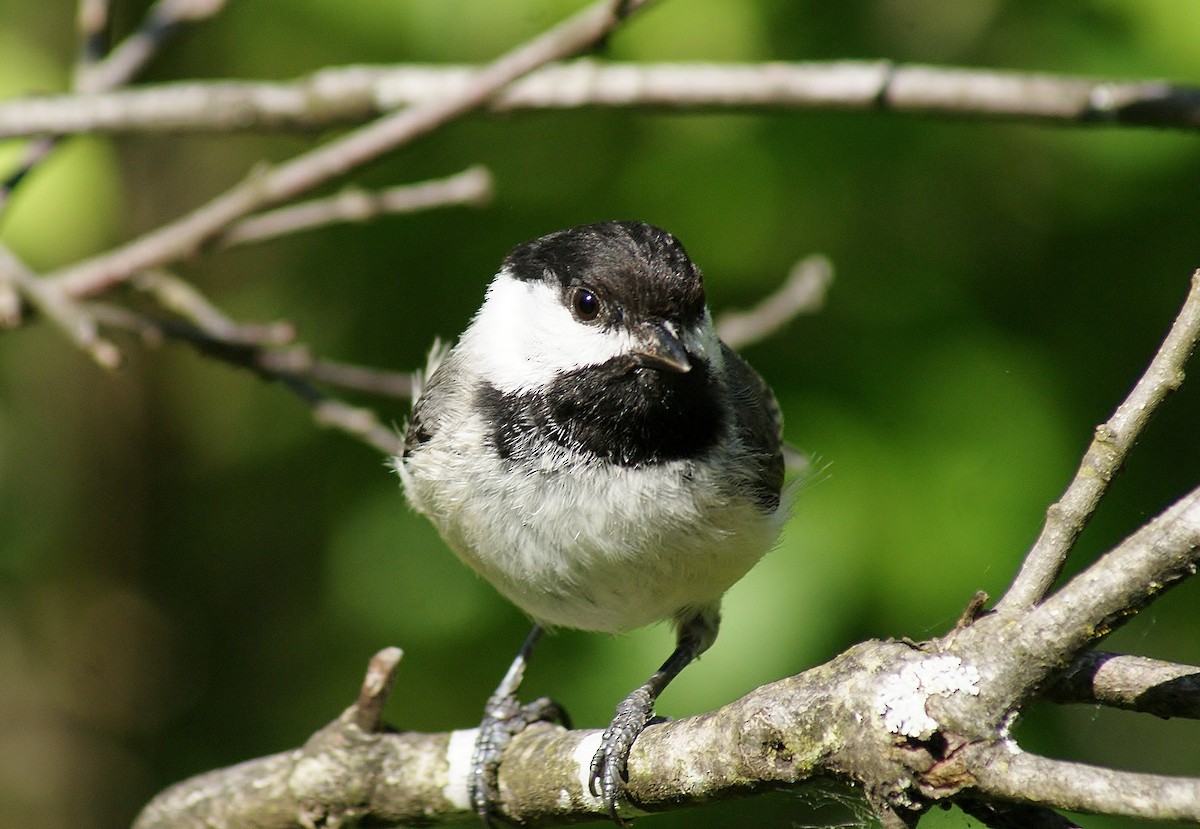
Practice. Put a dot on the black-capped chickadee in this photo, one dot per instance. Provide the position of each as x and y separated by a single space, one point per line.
592 449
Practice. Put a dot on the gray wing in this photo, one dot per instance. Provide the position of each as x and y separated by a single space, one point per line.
432 404
760 427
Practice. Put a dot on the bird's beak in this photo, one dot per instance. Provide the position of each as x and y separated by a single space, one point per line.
658 348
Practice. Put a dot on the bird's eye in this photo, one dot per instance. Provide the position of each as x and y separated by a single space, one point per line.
585 304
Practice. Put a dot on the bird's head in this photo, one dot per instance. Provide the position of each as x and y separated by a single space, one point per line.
620 295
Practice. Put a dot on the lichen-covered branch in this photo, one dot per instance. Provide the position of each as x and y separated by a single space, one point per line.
863 719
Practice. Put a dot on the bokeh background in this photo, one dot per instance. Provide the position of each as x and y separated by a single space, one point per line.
192 573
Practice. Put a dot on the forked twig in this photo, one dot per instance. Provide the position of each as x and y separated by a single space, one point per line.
294 368
64 312
1066 518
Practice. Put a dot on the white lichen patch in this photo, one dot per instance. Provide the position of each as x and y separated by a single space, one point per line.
903 695
459 753
584 751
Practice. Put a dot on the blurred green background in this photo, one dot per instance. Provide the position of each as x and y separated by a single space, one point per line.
193 574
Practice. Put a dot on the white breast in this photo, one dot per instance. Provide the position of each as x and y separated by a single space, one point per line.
589 546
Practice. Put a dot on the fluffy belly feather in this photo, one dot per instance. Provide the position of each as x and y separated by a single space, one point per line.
610 550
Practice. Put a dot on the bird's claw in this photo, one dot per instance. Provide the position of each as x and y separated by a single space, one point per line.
610 763
503 718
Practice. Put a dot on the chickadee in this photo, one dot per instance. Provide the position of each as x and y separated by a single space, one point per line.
593 450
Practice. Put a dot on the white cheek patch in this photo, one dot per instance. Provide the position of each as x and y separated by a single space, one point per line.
523 336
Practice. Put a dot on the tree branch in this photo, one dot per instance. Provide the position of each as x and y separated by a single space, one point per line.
1033 644
862 718
1133 683
65 313
358 93
250 347
1108 593
472 186
93 74
803 292
96 74
777 735
1080 787
1067 518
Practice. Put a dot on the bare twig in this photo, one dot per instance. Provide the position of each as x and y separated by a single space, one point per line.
1041 641
803 292
376 688
131 55
1067 518
1121 582
358 93
1082 788
299 360
92 25
62 311
472 186
294 368
94 74
1134 683
273 185
179 297
359 423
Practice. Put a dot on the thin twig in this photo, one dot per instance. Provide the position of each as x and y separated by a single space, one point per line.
1008 773
367 711
1132 683
803 292
1160 554
1067 518
179 297
129 57
94 74
1041 641
272 185
359 423
472 186
358 93
256 355
91 21
299 360
76 323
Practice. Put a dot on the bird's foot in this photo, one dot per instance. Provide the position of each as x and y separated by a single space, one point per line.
610 763
503 718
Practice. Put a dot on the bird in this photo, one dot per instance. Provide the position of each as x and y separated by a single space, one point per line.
592 449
